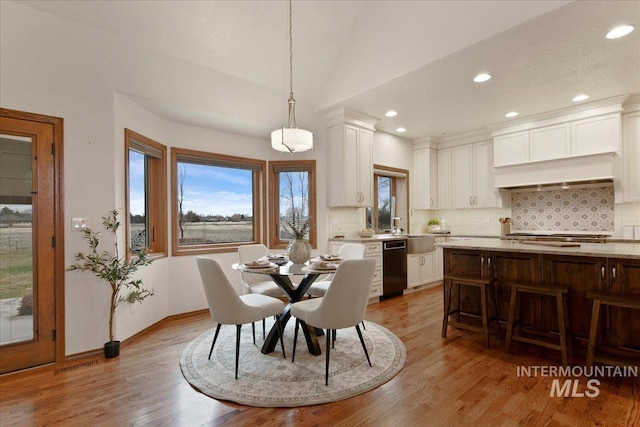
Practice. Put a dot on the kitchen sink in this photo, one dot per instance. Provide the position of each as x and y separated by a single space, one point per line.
420 244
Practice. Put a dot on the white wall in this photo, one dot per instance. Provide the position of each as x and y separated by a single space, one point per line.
54 67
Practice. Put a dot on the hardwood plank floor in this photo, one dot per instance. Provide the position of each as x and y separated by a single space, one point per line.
445 382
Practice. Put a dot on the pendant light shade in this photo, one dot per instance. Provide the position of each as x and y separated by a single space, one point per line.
290 139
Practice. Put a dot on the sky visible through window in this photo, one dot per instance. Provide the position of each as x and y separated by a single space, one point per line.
214 190
209 190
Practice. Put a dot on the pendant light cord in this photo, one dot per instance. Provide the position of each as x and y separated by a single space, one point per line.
290 51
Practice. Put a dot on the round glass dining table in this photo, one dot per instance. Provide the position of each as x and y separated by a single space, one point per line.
282 275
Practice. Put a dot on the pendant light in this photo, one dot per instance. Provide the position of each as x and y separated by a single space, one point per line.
290 139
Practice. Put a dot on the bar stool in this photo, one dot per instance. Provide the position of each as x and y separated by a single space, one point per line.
560 294
599 298
482 284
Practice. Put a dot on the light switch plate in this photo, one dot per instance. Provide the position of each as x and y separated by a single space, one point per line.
78 224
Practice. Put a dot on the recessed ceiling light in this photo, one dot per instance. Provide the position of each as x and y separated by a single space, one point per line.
620 31
401 130
391 113
482 77
579 98
511 114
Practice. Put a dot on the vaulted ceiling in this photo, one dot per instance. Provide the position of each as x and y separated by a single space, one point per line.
416 57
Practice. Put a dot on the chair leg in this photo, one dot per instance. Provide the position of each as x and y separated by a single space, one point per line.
326 366
495 306
447 309
364 327
363 345
295 339
253 331
333 338
593 332
280 332
237 347
512 312
263 329
215 337
562 327
485 315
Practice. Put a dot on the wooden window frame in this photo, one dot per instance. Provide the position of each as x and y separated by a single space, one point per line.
394 174
275 167
156 191
259 206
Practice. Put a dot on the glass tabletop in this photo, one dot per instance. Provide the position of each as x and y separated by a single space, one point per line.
288 269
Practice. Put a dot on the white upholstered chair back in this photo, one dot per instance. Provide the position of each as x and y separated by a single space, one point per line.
248 253
352 251
225 304
345 302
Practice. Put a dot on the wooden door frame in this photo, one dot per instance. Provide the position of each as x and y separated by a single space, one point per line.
58 211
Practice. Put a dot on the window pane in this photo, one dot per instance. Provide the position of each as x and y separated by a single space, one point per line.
215 204
294 202
138 201
384 202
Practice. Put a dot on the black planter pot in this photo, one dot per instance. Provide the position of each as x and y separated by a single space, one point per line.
111 349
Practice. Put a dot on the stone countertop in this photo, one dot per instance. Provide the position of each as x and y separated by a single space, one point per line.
609 250
385 237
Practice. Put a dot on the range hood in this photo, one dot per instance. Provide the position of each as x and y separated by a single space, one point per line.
597 168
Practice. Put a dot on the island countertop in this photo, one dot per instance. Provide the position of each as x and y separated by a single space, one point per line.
608 250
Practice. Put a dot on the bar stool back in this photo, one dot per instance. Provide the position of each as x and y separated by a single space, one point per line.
560 294
599 298
482 283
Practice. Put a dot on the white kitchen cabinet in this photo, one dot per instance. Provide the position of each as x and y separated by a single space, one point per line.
445 175
631 157
473 176
549 142
421 269
425 179
595 135
351 166
566 137
511 149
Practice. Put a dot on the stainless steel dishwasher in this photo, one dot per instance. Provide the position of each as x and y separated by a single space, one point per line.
394 267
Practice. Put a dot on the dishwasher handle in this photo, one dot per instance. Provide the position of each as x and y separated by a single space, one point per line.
394 245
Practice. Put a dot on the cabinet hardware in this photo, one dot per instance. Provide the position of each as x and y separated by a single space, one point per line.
613 271
602 272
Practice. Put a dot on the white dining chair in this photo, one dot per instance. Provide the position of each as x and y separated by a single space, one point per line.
228 308
346 251
257 283
343 306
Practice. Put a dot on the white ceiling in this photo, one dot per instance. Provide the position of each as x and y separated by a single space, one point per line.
417 57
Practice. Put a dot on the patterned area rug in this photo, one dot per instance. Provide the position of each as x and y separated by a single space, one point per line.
268 380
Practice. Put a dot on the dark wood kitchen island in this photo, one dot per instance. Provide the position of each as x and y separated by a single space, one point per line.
613 267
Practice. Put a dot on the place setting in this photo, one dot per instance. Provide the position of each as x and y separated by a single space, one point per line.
326 263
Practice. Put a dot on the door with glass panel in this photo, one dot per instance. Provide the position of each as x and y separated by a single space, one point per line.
28 184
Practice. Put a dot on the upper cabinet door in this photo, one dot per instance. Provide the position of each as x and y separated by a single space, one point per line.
511 149
631 157
350 166
549 142
462 177
484 186
596 135
365 167
445 190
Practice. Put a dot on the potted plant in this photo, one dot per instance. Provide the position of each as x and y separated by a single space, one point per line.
434 225
299 250
114 269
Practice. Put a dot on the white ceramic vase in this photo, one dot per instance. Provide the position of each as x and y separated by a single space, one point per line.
299 251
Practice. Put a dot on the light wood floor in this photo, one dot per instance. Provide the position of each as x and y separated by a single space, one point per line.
444 383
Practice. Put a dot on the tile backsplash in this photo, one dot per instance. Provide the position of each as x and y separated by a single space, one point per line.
573 209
